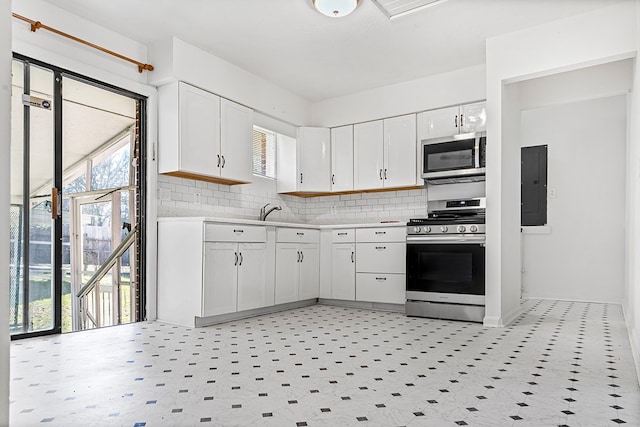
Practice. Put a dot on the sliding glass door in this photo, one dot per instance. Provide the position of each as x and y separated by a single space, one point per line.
77 192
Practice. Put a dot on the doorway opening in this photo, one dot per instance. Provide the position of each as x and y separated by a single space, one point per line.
77 202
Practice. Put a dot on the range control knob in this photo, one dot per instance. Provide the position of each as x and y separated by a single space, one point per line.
473 228
462 229
416 229
427 229
444 228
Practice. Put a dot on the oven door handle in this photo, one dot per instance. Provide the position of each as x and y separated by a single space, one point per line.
425 240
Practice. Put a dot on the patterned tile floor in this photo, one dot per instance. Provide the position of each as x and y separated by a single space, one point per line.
560 363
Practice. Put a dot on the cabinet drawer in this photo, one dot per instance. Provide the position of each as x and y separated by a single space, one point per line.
381 257
389 288
346 235
214 232
297 235
382 234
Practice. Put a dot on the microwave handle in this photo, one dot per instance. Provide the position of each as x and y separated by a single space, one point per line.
476 157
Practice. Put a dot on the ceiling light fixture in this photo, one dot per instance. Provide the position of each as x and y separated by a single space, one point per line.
335 8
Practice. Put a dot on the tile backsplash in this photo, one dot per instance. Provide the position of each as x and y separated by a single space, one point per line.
187 197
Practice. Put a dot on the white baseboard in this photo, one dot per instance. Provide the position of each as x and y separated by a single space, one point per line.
634 340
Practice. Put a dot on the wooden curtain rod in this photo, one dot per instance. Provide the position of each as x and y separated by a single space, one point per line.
36 25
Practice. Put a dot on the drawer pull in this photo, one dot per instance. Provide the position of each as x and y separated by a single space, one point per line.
300 234
342 234
381 232
238 231
381 278
381 247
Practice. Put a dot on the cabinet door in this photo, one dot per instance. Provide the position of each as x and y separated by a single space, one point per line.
236 136
385 288
473 117
314 159
343 271
220 287
342 158
368 155
287 263
441 122
199 124
400 151
309 285
252 272
383 257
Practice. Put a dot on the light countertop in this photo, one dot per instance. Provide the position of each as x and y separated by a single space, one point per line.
280 224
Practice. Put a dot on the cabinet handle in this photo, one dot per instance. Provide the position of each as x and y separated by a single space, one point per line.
385 174
342 234
352 256
381 232
298 256
461 120
300 234
381 278
223 161
238 231
241 258
333 179
381 247
455 121
302 256
300 177
236 263
380 173
218 160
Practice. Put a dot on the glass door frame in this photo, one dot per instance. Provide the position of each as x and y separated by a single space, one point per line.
57 254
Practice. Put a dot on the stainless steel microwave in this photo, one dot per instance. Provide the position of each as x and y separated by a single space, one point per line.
459 158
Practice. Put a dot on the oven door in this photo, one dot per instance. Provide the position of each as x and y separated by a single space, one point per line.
450 269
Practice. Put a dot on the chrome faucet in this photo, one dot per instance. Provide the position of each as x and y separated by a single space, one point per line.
264 212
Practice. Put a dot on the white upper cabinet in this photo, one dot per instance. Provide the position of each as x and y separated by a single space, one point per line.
304 163
452 120
385 153
473 117
368 155
342 158
202 136
236 136
189 130
400 151
314 159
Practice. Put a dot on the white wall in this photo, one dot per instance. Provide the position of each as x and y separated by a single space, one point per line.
582 258
5 137
67 54
597 37
632 291
457 87
176 60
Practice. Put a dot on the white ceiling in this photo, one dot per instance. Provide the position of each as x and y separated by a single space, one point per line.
290 44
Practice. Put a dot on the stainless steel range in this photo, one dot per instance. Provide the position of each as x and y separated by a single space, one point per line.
446 261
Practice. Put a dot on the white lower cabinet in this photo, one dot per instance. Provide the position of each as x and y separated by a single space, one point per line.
343 271
252 268
297 272
377 287
220 288
297 264
208 269
381 265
